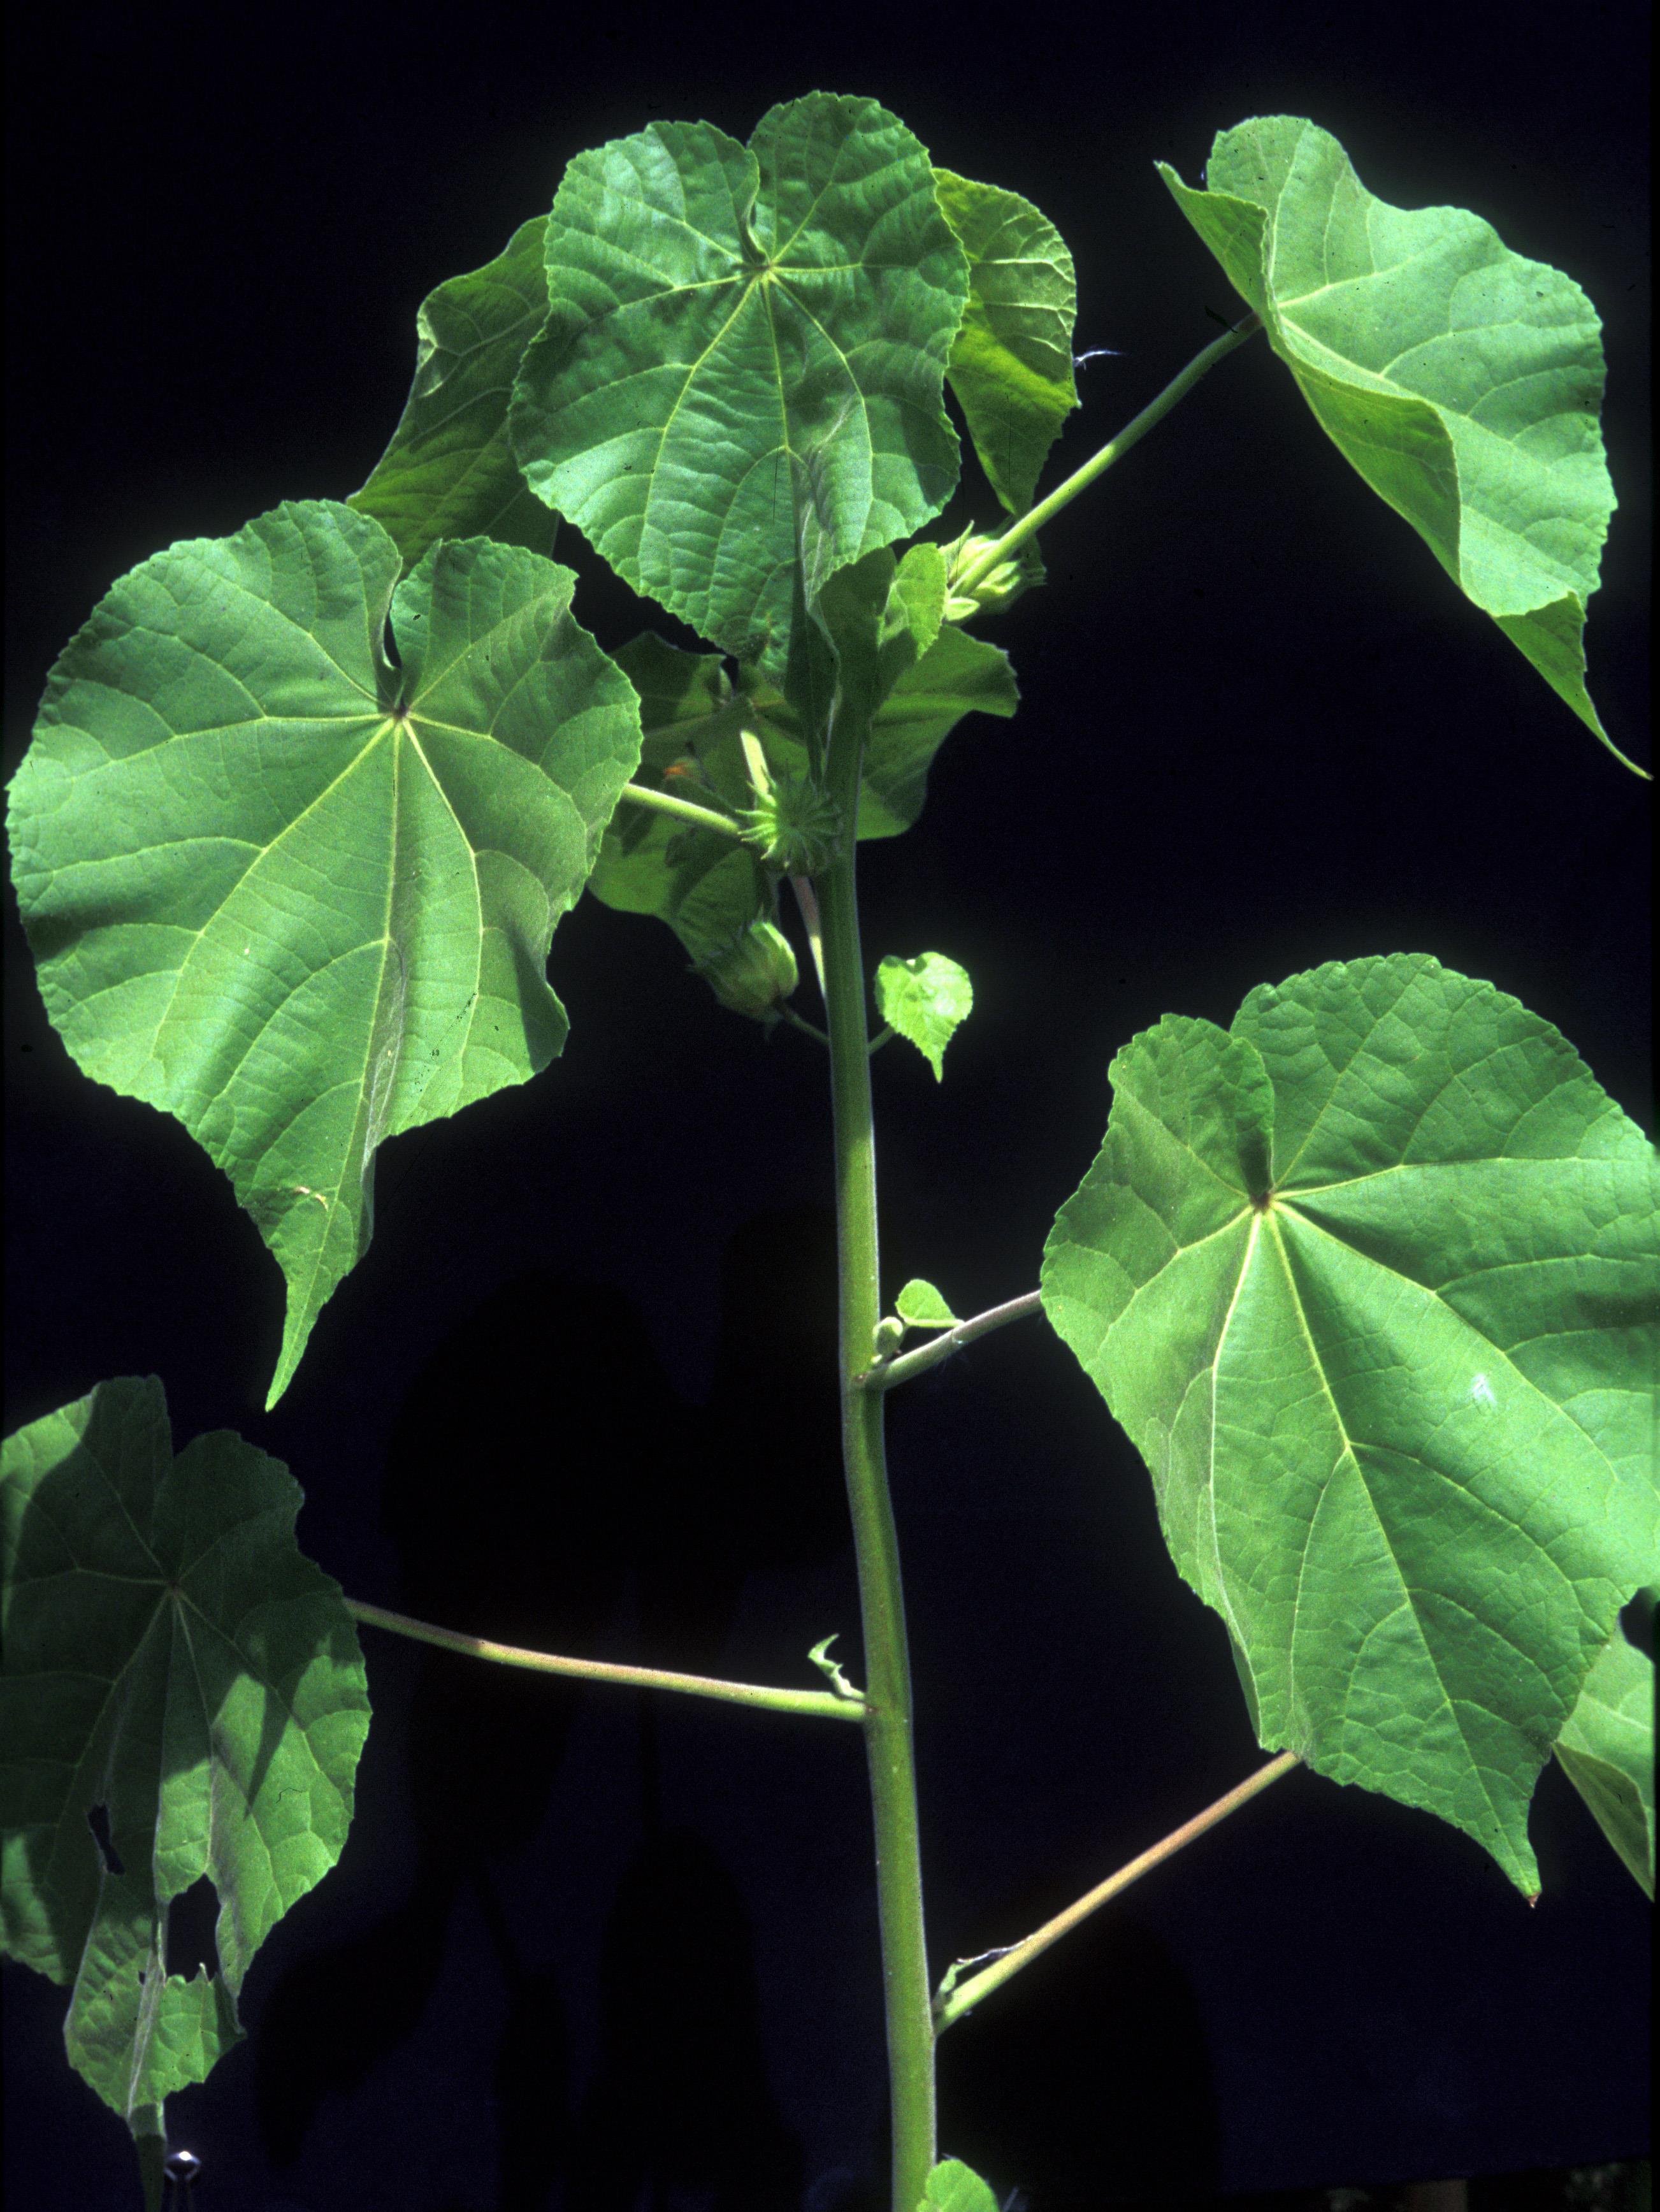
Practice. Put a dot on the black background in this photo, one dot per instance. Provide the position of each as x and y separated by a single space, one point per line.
588 1951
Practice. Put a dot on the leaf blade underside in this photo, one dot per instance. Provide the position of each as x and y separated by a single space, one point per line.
1462 381
295 896
174 1661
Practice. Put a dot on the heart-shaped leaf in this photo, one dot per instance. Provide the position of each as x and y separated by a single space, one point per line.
1373 1281
183 1697
954 2187
1607 1752
1011 362
1462 381
919 1305
295 896
449 471
926 1001
739 387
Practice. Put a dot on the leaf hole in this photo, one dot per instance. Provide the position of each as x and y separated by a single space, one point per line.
98 1819
1636 1619
191 1919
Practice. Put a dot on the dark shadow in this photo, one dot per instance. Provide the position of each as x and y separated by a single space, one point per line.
513 1475
541 1465
1637 1620
765 1489
681 2100
98 1819
1085 2081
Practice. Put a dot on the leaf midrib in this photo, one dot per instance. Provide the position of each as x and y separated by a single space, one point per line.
1405 1587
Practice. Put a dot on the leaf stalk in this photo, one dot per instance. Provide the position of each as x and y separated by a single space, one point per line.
1033 520
684 809
807 1029
824 1704
951 2003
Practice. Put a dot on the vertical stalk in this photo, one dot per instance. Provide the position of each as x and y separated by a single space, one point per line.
887 1720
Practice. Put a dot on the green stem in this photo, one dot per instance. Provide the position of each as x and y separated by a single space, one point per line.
824 1703
807 899
887 1659
1034 519
953 2003
883 1036
887 1372
684 809
807 1028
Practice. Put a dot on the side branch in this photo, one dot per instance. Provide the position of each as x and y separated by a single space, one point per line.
826 1703
954 2000
887 1372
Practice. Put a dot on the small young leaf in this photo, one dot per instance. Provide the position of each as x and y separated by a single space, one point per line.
449 471
1011 362
917 601
957 675
183 1696
919 1305
738 388
954 2187
297 897
1373 1282
832 1669
1607 1752
709 890
706 887
925 999
1462 381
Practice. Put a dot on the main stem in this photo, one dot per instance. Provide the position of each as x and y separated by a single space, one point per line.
887 1659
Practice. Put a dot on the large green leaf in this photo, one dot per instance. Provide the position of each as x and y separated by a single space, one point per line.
449 471
738 387
295 896
1373 1281
1011 362
1462 381
1607 1752
177 1669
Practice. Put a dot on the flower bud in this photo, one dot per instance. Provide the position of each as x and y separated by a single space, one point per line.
889 1337
752 973
1001 586
796 825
